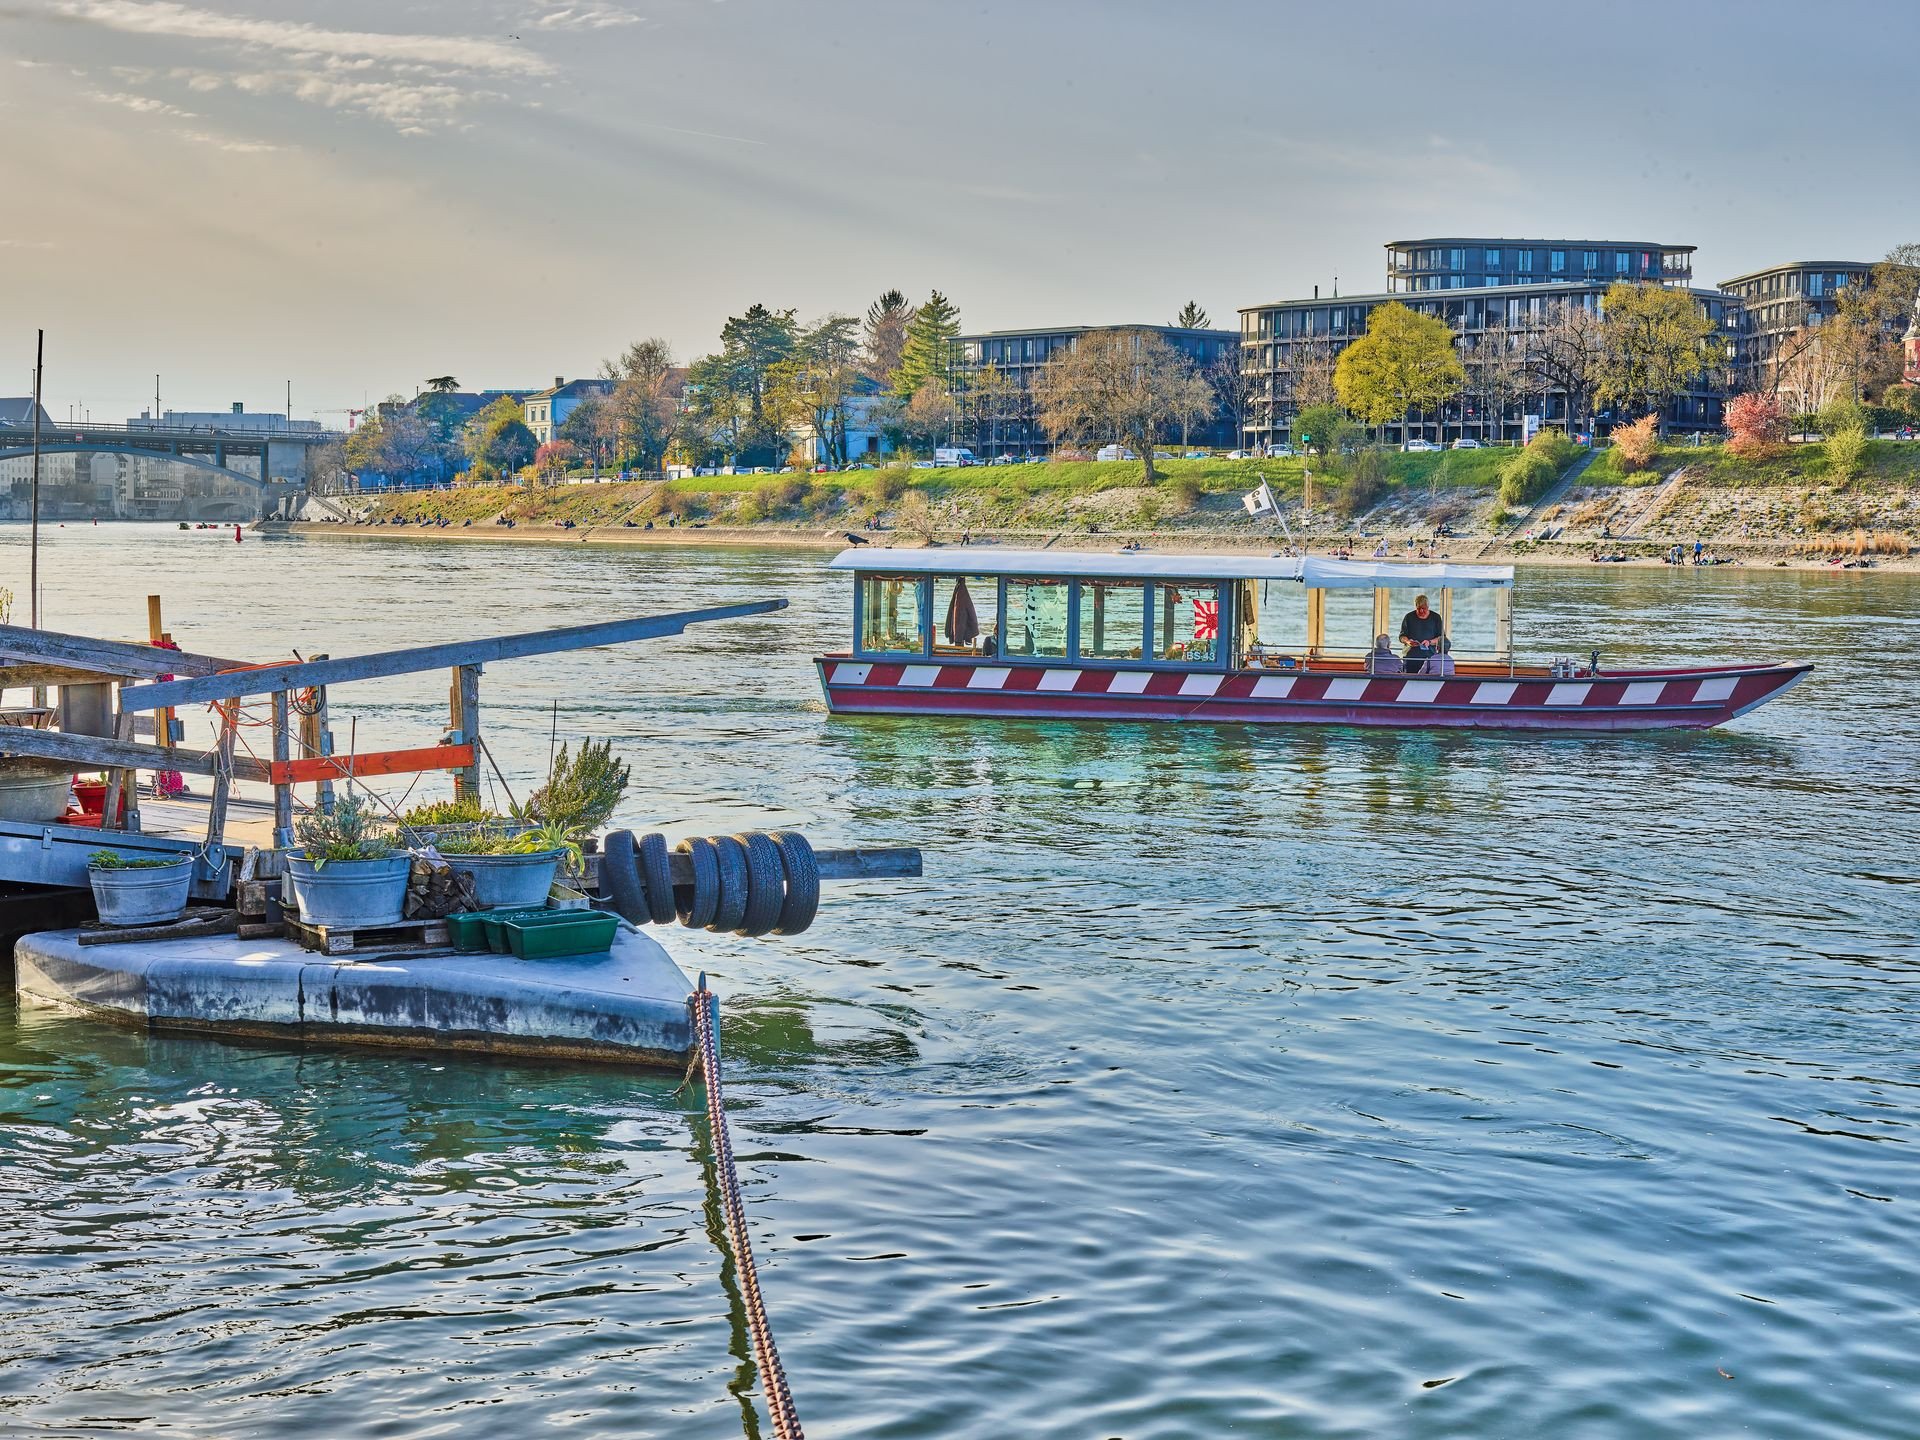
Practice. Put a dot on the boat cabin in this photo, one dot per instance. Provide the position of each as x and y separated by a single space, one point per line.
1190 613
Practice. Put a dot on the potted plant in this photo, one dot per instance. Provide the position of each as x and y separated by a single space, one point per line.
515 870
139 891
348 874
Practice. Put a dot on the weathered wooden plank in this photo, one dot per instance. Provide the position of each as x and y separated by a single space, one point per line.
98 752
17 677
268 678
378 762
104 657
195 924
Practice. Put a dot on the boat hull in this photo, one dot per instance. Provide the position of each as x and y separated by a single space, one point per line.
1693 699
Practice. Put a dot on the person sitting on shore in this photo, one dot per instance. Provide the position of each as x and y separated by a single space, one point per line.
1420 630
1383 661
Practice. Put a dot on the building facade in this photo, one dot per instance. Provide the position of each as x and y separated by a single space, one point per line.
1785 305
1289 348
1020 355
546 411
1483 262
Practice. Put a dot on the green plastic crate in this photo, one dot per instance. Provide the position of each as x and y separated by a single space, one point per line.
467 930
496 922
552 933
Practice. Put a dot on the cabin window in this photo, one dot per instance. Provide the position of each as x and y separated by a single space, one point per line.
1187 623
1036 623
965 614
890 615
1280 615
1113 619
1474 623
1349 620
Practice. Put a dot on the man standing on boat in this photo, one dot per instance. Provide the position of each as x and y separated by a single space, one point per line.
1420 633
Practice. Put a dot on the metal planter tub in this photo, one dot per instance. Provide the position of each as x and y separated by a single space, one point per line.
350 894
501 881
34 790
142 894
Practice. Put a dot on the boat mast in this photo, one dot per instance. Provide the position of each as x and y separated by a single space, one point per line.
33 563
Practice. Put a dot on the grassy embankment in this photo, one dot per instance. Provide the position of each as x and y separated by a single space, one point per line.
1790 497
1108 495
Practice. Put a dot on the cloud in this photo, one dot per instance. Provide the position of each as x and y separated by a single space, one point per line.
413 108
229 144
142 105
167 18
563 15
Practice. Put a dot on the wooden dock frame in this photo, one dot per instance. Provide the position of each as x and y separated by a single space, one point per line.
34 657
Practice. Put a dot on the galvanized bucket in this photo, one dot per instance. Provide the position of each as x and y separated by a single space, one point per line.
350 894
33 789
142 895
500 881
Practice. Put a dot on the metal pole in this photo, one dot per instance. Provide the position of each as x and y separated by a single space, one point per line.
33 564
282 793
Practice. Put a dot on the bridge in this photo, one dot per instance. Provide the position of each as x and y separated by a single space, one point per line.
158 471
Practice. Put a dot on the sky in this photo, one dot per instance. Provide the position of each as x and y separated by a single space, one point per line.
350 197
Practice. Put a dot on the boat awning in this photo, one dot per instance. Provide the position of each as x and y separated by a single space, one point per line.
1381 574
1130 565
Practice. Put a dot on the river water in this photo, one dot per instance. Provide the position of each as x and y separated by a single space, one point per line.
1213 1082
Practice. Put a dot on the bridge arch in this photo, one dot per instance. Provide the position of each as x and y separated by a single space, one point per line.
225 494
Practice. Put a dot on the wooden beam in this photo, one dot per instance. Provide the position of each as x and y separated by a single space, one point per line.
268 678
97 752
106 657
379 762
16 677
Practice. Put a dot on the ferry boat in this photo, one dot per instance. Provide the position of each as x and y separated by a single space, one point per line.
1235 639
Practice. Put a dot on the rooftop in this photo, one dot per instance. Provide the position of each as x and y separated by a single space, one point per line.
1524 240
1860 265
1148 565
1083 329
1411 298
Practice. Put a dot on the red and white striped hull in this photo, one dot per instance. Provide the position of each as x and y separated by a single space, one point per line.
1619 700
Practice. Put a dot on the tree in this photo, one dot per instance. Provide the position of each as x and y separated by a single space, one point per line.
1319 429
1125 385
994 398
1404 363
1498 376
1564 353
1655 342
930 415
553 459
729 390
1233 385
1191 317
930 349
1194 403
1636 444
1863 337
391 441
1754 423
498 440
591 427
811 388
635 423
443 385
1311 362
882 335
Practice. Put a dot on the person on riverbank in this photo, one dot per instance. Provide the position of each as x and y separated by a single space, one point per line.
1420 630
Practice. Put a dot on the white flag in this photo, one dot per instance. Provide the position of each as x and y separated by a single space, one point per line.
1260 502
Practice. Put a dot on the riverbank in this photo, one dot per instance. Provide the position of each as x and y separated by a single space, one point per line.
1786 510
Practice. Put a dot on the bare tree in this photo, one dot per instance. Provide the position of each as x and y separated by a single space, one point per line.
1233 384
1498 375
1312 360
993 398
1566 353
1126 384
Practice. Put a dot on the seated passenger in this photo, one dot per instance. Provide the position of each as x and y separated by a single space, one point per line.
1420 631
1383 661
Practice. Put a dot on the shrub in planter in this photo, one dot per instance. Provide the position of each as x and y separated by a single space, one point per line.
141 891
512 870
349 874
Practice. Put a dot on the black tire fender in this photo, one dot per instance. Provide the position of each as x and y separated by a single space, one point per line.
803 882
620 877
731 906
657 876
766 883
703 895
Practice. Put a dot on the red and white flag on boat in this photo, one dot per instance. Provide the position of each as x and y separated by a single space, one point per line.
1206 619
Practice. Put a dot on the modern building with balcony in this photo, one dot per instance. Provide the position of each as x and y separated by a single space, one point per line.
1480 262
1781 300
1020 355
1282 342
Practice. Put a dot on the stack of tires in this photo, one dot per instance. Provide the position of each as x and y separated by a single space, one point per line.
754 883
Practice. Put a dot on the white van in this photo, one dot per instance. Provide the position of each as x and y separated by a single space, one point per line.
946 456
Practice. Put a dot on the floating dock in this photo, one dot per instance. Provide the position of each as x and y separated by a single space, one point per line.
628 1006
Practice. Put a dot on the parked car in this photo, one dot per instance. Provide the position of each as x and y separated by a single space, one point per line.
1115 452
953 455
1464 443
1238 455
1419 447
1196 455
1004 460
1036 459
855 465
926 464
1281 452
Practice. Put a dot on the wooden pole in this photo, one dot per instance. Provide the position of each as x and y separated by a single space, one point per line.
163 720
33 571
466 720
315 743
222 779
282 794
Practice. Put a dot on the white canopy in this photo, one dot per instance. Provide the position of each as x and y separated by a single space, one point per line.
1379 574
1129 565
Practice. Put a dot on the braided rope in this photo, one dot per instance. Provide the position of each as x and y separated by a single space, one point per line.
705 1006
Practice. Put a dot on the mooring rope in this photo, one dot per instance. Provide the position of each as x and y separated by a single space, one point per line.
705 1006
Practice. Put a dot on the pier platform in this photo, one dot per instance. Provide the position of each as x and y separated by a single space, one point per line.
626 1007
